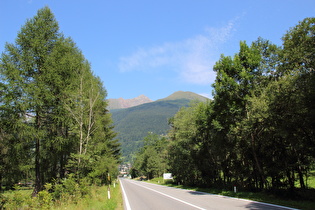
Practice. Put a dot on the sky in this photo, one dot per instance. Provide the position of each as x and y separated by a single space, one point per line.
157 47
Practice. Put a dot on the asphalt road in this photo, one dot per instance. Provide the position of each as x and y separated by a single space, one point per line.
146 196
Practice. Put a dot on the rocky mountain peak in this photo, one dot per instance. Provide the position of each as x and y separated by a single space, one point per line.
122 103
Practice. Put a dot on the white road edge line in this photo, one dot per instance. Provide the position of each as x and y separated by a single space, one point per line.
236 198
125 196
171 197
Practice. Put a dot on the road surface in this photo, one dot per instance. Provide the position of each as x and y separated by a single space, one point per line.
146 196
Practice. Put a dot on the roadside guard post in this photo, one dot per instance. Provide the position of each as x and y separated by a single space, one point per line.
108 189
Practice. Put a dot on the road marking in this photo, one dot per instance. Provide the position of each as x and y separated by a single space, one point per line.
125 196
197 207
235 198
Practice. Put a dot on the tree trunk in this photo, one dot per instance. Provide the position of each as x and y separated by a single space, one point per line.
261 175
38 175
302 184
290 178
0 183
38 180
62 168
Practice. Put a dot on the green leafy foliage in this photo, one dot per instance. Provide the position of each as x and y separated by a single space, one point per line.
54 119
258 132
151 160
67 194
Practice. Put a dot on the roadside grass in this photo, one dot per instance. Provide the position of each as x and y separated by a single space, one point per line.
301 199
96 199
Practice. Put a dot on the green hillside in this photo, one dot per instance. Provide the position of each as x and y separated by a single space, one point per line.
133 124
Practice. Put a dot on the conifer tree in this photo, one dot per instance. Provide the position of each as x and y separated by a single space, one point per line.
52 106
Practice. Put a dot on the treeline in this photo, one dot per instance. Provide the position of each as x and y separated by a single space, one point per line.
54 119
258 131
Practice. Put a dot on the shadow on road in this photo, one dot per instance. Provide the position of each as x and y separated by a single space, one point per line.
251 205
197 193
261 206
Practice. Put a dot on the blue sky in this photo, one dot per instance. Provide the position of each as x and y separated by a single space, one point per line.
157 47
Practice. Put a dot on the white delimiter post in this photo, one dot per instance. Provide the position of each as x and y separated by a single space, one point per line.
108 189
235 189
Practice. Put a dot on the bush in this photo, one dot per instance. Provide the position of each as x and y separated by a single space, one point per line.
16 199
70 189
69 192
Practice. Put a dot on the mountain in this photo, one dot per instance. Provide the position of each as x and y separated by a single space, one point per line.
186 95
134 123
121 103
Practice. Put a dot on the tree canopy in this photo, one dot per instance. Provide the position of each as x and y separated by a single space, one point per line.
54 119
258 131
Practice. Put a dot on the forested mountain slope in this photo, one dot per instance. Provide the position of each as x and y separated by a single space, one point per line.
134 123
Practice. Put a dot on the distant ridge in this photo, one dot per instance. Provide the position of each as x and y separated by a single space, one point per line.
121 103
186 95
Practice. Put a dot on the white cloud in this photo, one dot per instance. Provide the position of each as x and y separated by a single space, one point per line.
192 59
207 95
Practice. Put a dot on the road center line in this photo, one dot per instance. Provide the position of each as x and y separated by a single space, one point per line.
125 196
171 197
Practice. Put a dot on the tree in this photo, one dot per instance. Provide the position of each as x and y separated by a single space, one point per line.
258 132
52 106
63 64
92 126
234 85
298 57
25 68
151 160
185 160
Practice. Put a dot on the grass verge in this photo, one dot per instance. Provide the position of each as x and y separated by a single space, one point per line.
96 199
301 199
